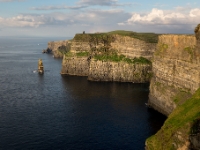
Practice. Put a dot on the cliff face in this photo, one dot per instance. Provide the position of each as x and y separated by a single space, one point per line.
106 70
110 57
174 91
176 72
75 66
132 47
126 45
181 131
119 71
57 47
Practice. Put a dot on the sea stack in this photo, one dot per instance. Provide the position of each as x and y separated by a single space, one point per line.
40 67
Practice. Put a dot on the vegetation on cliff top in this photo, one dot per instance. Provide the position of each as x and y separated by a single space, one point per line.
117 58
178 127
147 37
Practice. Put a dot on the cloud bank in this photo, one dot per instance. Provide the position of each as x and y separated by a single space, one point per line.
161 17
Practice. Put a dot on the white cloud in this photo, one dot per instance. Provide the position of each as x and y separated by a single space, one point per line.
83 18
22 21
161 17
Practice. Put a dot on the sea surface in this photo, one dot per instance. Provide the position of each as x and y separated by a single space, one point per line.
44 112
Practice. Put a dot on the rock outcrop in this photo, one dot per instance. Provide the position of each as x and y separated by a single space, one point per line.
59 48
40 67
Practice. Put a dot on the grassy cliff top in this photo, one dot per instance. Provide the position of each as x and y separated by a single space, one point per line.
147 37
180 122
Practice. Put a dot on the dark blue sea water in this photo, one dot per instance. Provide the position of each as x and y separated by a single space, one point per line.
66 113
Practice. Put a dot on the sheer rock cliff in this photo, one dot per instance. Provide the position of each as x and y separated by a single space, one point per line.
175 92
176 75
103 69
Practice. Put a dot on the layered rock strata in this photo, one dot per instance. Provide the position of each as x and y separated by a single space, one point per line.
78 66
119 71
104 45
176 72
55 47
132 47
128 46
106 70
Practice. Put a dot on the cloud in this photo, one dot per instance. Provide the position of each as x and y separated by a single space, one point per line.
90 17
179 20
86 3
22 21
99 2
102 3
58 7
161 17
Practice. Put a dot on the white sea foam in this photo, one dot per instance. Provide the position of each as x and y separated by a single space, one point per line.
34 71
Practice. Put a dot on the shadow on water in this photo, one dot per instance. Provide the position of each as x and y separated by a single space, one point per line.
113 114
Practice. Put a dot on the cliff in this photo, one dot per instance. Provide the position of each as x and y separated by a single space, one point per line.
106 70
176 71
174 91
119 71
58 48
130 44
74 65
132 47
181 131
110 57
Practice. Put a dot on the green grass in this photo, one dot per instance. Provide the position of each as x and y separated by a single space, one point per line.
117 58
69 54
147 37
79 54
161 48
82 54
182 120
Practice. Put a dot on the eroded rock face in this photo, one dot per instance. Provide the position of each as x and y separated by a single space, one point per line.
176 69
119 71
55 47
132 47
99 44
40 67
197 32
106 70
78 66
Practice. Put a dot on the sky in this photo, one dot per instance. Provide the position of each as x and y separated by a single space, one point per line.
65 18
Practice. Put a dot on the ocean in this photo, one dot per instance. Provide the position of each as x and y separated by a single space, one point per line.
51 111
